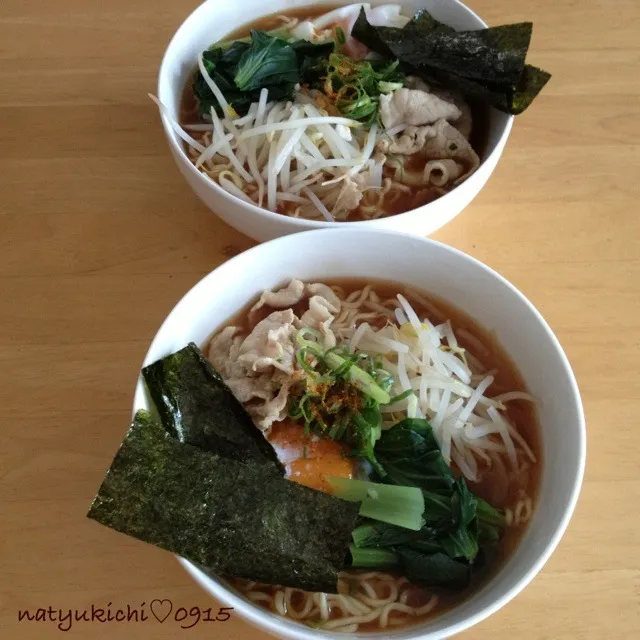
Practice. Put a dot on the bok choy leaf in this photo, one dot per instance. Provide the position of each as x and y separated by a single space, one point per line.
265 62
401 506
242 68
456 523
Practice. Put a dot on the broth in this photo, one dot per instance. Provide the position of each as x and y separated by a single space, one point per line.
502 491
398 200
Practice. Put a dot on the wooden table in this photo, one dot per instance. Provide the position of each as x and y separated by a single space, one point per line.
100 236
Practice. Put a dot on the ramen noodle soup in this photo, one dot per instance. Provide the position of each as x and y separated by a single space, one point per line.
444 377
350 113
402 172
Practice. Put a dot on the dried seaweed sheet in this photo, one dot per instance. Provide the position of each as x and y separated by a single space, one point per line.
494 55
242 520
487 64
197 408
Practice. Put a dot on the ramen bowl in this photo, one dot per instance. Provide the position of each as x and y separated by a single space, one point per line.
495 304
213 20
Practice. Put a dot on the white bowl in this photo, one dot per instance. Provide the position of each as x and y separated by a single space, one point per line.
468 284
213 20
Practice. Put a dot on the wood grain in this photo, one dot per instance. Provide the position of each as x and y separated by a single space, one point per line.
99 237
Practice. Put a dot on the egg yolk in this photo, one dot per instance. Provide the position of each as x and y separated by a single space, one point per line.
307 458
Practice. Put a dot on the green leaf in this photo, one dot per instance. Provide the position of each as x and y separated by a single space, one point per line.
445 549
489 515
453 515
434 569
400 506
425 545
268 61
231 56
410 455
381 534
261 60
220 64
372 558
461 543
422 563
312 50
491 523
463 503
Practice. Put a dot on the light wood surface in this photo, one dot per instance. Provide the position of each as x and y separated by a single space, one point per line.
100 236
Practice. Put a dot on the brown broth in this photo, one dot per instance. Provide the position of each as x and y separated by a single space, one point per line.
521 413
272 21
391 204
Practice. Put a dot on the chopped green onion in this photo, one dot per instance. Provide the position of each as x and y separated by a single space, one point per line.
361 379
401 396
309 344
388 87
341 366
301 357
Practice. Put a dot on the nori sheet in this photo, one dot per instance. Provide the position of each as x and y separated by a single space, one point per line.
197 408
486 64
493 55
241 520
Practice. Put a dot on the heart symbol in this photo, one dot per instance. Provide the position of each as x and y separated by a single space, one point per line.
161 609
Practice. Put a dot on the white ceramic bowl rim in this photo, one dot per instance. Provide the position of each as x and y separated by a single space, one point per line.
303 224
276 624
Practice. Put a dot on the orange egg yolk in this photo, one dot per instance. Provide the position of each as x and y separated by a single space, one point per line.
307 458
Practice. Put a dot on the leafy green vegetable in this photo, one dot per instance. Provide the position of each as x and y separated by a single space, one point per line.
220 64
433 569
281 32
488 515
461 543
428 567
267 61
196 407
373 558
377 534
410 455
488 64
230 56
456 522
401 506
243 520
312 50
242 68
